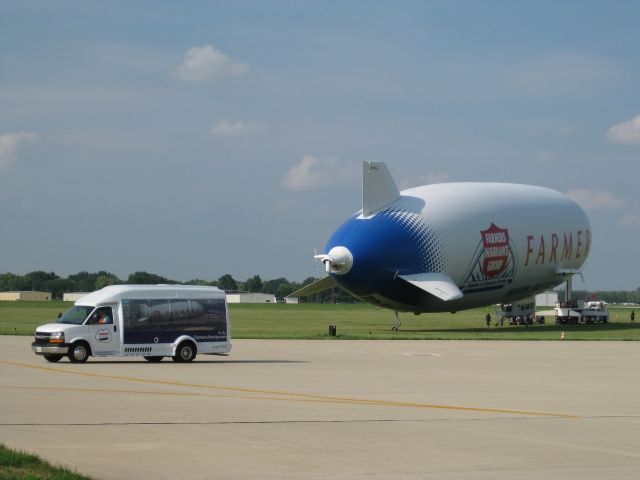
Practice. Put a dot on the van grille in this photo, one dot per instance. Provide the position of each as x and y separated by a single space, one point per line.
42 337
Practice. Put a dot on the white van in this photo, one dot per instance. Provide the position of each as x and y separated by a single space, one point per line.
151 321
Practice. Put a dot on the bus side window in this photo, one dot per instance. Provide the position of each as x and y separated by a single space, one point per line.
102 315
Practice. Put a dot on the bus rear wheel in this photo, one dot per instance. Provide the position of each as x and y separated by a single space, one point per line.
186 352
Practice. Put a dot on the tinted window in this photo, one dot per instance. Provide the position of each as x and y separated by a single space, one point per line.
160 313
179 310
208 314
162 320
136 314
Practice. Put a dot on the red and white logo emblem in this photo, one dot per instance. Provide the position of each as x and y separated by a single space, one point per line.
103 335
495 241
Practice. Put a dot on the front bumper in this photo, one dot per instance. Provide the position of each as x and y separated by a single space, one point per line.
50 349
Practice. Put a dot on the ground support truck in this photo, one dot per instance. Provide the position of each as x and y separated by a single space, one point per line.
522 312
573 312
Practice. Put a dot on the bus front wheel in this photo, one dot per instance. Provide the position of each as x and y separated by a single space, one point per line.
53 358
79 352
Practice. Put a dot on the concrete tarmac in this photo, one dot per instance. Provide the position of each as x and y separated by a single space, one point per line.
334 410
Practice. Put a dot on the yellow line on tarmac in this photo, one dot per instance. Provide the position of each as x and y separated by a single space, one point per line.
115 390
345 401
287 396
169 394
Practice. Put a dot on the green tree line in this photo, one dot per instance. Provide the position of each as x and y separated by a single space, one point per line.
280 287
89 282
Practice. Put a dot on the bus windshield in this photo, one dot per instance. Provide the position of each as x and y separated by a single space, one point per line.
75 315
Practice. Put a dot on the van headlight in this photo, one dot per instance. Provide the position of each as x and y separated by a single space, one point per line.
57 337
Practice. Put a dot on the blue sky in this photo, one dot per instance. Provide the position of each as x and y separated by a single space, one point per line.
193 139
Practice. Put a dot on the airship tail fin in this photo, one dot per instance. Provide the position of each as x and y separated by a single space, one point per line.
378 187
437 284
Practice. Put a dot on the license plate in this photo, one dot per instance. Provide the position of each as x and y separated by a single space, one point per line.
39 349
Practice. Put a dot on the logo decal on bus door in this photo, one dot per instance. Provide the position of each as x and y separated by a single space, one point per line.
104 335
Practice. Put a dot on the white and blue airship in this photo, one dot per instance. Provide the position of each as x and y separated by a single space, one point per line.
453 246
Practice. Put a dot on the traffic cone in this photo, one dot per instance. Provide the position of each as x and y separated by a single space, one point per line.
562 336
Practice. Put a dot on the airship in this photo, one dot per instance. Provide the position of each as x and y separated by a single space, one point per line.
453 246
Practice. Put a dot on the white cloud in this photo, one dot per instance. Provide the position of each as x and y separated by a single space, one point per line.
9 143
631 219
205 63
626 133
590 199
313 173
227 128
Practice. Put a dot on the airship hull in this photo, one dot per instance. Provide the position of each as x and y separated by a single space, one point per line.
486 242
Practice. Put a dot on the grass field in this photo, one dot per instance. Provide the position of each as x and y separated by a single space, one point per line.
311 321
23 466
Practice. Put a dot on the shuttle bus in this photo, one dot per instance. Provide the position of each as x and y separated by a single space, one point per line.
150 321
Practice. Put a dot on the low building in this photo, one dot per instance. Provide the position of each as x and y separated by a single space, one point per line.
73 296
292 300
248 297
25 296
546 299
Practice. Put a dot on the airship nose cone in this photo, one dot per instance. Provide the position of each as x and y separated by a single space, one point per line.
338 260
